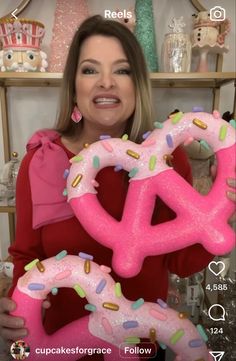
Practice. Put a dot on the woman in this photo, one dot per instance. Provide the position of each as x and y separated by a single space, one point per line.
106 83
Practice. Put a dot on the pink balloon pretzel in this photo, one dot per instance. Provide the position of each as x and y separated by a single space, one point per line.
114 322
200 219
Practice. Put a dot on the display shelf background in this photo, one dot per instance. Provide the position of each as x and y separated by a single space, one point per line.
31 108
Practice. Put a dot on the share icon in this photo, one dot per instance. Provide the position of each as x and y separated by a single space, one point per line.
217 355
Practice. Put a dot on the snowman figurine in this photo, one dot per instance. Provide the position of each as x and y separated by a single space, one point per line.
209 31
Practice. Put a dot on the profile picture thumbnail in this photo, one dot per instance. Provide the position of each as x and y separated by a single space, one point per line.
20 350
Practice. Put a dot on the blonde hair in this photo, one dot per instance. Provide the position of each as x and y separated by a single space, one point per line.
141 120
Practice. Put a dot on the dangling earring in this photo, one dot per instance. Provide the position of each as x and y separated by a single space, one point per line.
76 116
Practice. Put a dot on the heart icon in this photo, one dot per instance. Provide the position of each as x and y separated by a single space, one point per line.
220 264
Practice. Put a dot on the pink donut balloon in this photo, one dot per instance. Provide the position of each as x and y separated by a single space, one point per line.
200 219
114 322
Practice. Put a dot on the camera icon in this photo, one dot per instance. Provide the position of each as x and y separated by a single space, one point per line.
217 13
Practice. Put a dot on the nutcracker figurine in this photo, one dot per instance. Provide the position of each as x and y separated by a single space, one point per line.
21 40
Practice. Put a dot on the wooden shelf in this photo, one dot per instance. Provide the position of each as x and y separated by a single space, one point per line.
191 80
158 80
9 79
7 209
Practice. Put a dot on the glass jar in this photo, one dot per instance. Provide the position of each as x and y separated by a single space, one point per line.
176 53
8 178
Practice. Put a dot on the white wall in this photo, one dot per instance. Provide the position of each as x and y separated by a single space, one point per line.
34 108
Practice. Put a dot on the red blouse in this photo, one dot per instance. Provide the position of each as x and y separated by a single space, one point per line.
151 283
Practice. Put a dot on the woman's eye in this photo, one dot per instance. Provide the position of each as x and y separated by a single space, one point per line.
123 71
88 71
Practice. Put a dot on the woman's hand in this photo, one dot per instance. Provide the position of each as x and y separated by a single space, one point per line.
231 194
11 327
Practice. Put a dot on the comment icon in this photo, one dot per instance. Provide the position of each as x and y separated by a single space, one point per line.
216 316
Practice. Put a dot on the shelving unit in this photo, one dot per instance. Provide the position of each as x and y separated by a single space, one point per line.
158 80
211 80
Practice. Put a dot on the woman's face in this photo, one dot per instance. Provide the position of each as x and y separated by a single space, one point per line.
105 91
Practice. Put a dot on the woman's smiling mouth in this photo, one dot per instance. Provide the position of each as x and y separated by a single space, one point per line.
106 101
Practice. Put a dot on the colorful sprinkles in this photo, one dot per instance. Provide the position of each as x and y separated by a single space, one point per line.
162 303
79 290
96 162
76 159
107 146
146 135
183 315
36 286
175 118
216 114
40 266
188 141
118 291
130 324
63 275
118 167
158 125
66 173
133 172
125 137
77 180
54 291
233 123
197 109
104 136
87 266
152 162
110 306
148 142
137 304
31 264
202 333
85 256
132 339
223 132
105 269
169 141
158 315
61 255
132 154
156 312
199 123
152 335
107 326
176 336
94 183
196 343
204 144
90 307
168 159
100 287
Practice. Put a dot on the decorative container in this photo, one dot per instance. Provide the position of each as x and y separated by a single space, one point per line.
176 49
8 178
